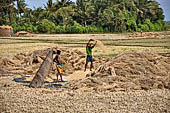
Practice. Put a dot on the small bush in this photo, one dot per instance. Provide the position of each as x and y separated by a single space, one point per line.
149 24
46 26
60 29
131 25
157 27
143 27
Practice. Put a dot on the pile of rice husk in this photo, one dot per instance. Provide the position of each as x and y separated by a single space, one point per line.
23 34
29 63
132 71
5 31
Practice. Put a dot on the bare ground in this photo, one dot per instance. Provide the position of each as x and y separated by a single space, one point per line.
16 97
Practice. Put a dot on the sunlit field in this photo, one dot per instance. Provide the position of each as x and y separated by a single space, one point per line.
115 43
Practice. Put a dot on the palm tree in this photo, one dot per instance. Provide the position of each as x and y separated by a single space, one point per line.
152 10
21 6
65 14
50 4
84 11
63 3
7 11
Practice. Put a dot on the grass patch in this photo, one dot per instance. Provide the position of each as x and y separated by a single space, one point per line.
145 42
115 46
12 49
167 53
106 55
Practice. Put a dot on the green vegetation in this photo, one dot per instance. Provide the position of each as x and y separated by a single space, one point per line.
84 16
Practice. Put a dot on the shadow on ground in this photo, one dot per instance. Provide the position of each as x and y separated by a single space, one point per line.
47 84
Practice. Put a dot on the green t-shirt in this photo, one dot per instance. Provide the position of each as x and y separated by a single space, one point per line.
89 51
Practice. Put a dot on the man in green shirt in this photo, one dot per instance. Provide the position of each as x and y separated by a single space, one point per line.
89 58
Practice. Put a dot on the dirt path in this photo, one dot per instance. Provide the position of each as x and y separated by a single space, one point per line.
83 36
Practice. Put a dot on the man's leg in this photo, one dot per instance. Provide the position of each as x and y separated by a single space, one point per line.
58 72
91 66
57 76
61 76
86 66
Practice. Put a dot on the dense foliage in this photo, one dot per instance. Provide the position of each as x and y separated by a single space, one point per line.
84 16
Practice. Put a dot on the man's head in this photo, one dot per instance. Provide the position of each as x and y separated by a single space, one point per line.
91 40
89 44
58 52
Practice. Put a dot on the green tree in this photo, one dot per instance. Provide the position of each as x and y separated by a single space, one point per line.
46 26
84 11
21 6
84 16
7 10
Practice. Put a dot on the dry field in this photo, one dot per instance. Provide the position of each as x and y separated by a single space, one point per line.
115 43
140 83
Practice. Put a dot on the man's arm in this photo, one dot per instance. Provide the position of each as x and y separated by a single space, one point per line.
54 60
61 61
94 44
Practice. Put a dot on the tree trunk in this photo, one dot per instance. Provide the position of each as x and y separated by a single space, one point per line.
43 71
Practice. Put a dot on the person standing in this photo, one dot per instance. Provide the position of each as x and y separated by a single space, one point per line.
89 58
58 62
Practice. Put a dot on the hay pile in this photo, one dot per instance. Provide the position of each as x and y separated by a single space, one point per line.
23 34
28 63
6 31
130 70
133 71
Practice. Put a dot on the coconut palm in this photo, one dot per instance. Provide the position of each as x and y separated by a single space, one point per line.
7 11
84 11
21 6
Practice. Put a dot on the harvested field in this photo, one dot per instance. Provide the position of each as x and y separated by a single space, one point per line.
115 43
129 78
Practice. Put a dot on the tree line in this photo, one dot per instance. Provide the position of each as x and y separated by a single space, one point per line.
83 16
